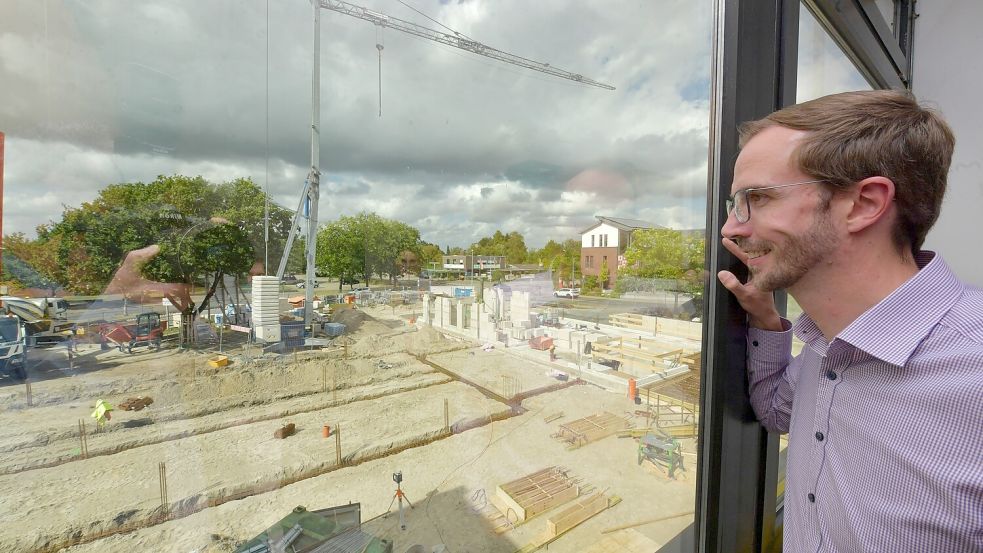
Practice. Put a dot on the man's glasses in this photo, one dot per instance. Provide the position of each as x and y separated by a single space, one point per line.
738 203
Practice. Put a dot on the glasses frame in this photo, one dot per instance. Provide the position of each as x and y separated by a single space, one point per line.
732 201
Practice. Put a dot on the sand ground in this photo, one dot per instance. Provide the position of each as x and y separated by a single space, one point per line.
228 478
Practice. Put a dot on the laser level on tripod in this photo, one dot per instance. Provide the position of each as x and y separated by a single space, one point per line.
399 496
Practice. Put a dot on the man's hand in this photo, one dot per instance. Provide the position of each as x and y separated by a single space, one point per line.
129 282
760 305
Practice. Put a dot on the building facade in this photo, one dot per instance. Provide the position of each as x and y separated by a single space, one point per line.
605 242
473 264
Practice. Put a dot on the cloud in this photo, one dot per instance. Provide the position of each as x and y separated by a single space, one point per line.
466 145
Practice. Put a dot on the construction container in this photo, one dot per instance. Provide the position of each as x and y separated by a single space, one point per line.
219 361
541 343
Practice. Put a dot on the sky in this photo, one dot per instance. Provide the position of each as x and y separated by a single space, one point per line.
103 91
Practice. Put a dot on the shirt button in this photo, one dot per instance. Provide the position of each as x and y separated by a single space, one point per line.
819 436
754 343
831 375
812 498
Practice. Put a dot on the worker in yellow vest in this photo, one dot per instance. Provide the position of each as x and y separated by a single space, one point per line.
102 412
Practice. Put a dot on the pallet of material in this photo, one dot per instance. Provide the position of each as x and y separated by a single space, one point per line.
526 497
570 518
579 511
590 429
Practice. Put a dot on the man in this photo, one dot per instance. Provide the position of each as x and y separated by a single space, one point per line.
832 200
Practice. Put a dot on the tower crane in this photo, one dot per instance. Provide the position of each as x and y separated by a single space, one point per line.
307 208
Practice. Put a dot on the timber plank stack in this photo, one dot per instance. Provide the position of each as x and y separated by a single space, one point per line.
590 429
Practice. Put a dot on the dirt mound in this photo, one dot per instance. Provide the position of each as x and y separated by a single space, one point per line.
357 321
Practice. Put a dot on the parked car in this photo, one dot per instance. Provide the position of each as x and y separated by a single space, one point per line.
567 293
302 284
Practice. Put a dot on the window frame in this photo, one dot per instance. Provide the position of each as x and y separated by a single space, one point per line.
754 73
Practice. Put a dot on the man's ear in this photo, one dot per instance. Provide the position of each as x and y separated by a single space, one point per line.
872 198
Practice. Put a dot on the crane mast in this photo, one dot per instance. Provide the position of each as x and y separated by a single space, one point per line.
309 197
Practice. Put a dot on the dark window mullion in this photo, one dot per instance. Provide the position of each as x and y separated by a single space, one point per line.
754 40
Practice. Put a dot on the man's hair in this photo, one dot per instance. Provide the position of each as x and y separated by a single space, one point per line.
855 135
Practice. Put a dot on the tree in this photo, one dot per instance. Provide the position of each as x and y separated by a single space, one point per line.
430 253
340 251
663 253
511 245
367 244
221 249
665 259
562 259
201 229
30 263
603 275
243 202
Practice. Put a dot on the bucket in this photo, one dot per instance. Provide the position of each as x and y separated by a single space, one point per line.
326 431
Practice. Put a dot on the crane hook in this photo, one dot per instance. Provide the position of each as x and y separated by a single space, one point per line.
380 47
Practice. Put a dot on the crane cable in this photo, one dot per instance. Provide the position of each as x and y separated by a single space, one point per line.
380 47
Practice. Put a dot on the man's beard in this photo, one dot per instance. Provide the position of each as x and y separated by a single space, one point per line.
796 257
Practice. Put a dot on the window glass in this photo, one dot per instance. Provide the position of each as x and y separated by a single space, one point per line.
823 68
475 367
886 7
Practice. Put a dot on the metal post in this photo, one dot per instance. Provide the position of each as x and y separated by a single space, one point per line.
162 475
337 444
313 190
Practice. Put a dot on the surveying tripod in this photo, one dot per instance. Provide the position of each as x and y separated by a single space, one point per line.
399 496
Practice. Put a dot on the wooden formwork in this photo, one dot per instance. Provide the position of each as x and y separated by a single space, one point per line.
590 429
632 321
579 511
644 353
526 497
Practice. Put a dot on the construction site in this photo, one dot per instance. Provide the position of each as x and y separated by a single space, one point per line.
433 421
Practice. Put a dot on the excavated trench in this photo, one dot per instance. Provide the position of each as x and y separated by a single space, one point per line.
131 521
181 434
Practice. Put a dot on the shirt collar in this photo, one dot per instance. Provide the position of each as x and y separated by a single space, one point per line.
893 328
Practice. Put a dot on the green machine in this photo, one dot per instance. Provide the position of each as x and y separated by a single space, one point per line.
333 530
663 451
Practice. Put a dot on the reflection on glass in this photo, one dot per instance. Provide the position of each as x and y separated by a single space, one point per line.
886 7
822 67
509 265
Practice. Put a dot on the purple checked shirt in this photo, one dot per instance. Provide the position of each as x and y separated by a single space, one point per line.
885 423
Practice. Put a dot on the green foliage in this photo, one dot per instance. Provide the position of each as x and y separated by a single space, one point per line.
29 263
603 275
563 259
218 249
430 253
591 287
367 244
664 259
498 275
511 245
663 253
91 240
242 202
